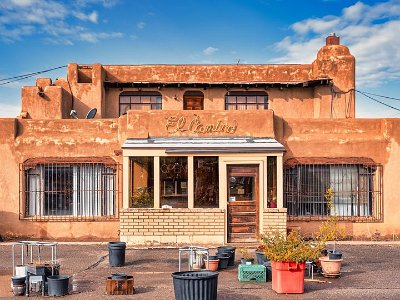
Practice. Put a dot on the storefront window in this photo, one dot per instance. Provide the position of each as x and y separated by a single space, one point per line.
205 181
271 181
141 182
174 181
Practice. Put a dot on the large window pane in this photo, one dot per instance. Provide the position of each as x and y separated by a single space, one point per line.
205 181
141 182
174 181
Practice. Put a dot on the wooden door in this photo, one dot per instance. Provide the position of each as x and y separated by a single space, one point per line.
243 203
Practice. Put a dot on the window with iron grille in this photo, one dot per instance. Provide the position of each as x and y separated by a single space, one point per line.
357 188
139 100
77 190
239 100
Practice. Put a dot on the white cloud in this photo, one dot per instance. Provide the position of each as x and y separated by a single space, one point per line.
54 21
23 2
370 31
141 25
92 17
95 37
210 50
105 3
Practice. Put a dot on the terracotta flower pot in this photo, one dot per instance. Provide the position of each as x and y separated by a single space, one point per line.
330 267
213 265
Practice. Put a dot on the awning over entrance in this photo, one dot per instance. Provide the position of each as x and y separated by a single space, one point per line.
207 145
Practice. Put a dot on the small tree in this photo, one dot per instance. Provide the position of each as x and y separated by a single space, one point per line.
330 230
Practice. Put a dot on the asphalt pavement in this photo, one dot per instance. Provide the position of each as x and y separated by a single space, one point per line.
369 271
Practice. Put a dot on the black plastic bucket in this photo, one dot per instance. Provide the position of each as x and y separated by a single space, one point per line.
335 255
268 270
191 285
223 260
18 280
116 253
230 250
119 276
261 258
57 285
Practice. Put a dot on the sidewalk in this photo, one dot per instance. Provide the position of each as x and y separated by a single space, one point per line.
369 271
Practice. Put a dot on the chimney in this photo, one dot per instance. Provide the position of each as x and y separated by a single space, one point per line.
332 39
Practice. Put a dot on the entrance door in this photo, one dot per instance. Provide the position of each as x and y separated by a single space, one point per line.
243 203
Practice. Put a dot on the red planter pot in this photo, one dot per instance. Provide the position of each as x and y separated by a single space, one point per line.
288 277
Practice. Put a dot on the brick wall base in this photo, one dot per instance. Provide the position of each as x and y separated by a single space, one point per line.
145 226
275 221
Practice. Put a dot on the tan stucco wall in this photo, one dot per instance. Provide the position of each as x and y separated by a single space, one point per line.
24 139
377 139
333 62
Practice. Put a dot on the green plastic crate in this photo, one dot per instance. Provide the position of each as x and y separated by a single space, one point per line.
252 273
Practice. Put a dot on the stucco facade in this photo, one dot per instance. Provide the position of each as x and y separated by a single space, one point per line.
300 111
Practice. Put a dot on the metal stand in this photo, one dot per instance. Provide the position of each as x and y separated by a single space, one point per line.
196 255
310 267
37 269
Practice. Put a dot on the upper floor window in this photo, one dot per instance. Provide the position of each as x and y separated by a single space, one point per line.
244 100
357 191
139 100
79 190
193 100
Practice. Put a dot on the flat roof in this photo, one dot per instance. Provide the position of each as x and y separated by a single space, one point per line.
207 144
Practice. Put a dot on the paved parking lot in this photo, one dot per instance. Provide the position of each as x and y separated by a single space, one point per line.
369 271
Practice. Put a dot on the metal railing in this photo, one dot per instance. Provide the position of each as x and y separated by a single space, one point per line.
357 192
80 191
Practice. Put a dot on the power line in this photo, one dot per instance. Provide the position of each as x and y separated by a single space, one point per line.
25 76
387 97
362 93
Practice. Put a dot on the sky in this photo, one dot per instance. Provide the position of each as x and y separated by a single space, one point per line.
38 35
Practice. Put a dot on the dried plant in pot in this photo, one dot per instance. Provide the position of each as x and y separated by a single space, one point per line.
247 258
331 231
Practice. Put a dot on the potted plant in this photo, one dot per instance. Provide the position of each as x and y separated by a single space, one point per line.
288 255
247 258
330 230
142 197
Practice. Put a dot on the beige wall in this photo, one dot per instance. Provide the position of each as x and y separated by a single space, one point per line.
83 88
24 139
377 139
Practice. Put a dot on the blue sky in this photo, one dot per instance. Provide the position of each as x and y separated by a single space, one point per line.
42 34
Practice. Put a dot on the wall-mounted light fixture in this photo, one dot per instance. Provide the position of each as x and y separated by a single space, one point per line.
73 114
40 92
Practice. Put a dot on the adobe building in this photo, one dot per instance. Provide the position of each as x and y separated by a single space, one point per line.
205 154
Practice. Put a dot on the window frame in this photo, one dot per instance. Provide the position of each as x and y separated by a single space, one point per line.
154 101
358 191
101 190
242 98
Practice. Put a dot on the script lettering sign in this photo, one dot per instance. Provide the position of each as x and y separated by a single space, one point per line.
181 124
